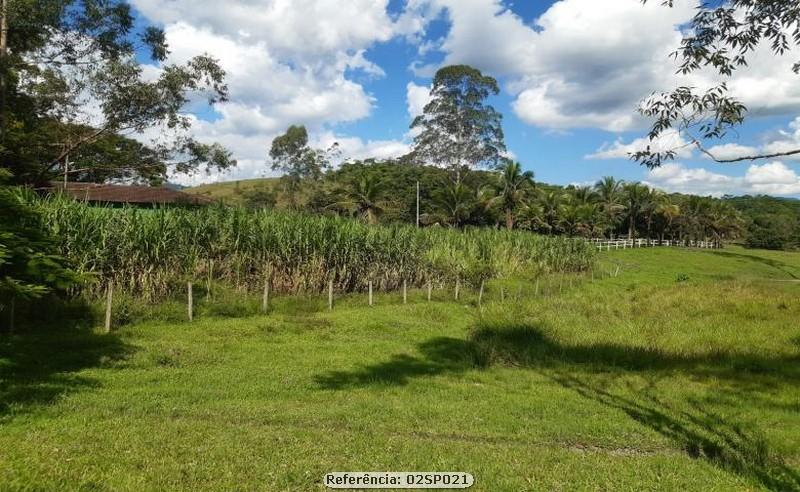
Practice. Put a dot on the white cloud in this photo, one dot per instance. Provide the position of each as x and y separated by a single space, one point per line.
286 62
588 63
773 178
354 148
786 141
417 97
731 151
783 141
670 140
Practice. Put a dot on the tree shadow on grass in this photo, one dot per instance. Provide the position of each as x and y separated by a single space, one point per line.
439 355
702 434
37 368
778 265
528 346
586 369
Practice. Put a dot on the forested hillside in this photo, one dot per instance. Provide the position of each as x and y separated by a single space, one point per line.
385 192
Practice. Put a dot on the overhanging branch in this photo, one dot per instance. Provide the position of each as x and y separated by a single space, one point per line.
743 158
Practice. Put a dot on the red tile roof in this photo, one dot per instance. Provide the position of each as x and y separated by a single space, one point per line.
110 193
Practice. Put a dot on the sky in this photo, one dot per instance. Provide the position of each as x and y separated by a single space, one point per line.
571 72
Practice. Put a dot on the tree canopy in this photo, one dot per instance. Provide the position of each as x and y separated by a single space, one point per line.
458 129
721 36
71 76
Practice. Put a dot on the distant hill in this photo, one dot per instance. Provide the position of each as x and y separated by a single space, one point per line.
235 192
773 223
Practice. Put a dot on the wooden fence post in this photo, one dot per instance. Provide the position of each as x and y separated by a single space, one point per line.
458 284
430 288
330 295
502 293
109 300
536 288
265 296
370 292
208 279
189 300
480 294
405 292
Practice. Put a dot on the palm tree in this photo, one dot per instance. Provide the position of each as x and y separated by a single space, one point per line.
650 207
550 203
514 183
363 197
455 202
635 200
570 218
668 211
584 195
609 198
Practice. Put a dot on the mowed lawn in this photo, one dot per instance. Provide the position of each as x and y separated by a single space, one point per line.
671 370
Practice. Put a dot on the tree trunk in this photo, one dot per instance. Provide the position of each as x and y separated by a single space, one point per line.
509 219
631 225
3 66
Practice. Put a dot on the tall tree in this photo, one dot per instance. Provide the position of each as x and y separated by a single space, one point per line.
455 202
609 197
364 197
514 184
635 199
458 129
292 156
551 204
721 36
77 63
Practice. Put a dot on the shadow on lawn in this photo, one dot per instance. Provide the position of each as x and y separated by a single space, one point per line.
587 369
778 265
528 346
36 368
702 434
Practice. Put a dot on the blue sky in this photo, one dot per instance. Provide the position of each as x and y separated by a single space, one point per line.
571 74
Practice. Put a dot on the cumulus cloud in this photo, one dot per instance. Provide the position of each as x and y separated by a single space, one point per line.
417 97
588 63
354 148
670 140
783 141
772 178
287 62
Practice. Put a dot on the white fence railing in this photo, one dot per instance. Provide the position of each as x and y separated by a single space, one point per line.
609 244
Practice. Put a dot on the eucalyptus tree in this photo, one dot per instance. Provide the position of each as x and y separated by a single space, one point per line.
292 156
721 37
514 184
458 129
79 64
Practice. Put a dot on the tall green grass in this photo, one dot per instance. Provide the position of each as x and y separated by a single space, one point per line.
152 252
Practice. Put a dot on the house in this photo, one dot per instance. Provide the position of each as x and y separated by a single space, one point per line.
126 194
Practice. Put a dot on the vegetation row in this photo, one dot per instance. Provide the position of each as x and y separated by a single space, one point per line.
154 251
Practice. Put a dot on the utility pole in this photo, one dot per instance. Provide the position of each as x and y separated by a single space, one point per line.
418 204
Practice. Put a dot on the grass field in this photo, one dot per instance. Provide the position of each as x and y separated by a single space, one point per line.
681 370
